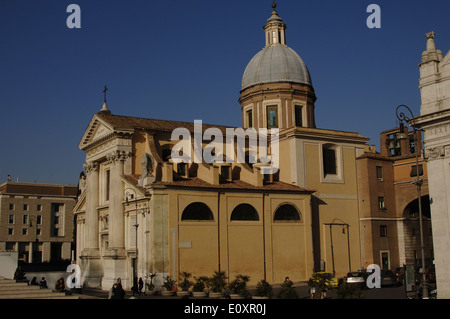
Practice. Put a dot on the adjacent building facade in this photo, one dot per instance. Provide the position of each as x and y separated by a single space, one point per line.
36 220
390 226
140 211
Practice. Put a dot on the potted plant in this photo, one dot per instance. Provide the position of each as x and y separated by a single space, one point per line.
150 286
238 287
184 284
216 284
198 289
169 285
287 291
263 290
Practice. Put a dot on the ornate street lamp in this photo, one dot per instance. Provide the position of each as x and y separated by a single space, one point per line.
402 135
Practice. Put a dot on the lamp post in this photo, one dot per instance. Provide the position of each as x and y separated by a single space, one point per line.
136 225
402 117
344 226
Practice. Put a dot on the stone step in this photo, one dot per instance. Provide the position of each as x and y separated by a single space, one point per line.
4 291
7 282
43 295
10 289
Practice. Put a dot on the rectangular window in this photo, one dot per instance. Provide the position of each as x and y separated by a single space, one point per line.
25 219
39 207
57 219
298 116
11 206
39 219
181 169
380 202
272 116
414 170
107 182
10 231
38 231
383 231
249 118
24 231
25 206
11 219
329 161
225 172
380 173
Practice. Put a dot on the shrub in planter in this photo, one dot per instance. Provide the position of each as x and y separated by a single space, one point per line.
348 291
198 289
287 291
238 287
263 289
150 286
169 285
217 282
184 283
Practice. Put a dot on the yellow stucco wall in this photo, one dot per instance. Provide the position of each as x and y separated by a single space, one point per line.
276 249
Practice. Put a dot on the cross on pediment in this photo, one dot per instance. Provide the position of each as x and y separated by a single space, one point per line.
104 92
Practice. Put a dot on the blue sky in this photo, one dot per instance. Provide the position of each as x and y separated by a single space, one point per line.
184 60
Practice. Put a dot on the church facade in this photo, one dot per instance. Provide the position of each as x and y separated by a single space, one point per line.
141 211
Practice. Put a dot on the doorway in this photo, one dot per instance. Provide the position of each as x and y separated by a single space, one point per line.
385 260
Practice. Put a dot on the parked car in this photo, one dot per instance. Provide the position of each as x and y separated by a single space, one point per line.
388 278
356 278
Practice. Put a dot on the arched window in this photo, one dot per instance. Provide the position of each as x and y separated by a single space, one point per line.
244 212
286 212
197 211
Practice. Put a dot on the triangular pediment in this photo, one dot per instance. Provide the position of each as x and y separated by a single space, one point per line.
80 205
96 130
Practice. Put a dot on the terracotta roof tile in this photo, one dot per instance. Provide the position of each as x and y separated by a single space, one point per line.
234 185
129 122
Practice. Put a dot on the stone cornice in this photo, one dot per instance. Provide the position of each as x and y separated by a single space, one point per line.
322 135
106 138
277 88
118 156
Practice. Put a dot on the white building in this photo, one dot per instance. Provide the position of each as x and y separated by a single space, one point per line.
434 119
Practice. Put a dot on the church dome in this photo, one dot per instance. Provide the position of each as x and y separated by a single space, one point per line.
276 63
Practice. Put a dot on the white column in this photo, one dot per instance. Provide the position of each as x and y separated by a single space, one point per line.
91 265
439 188
116 218
91 241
